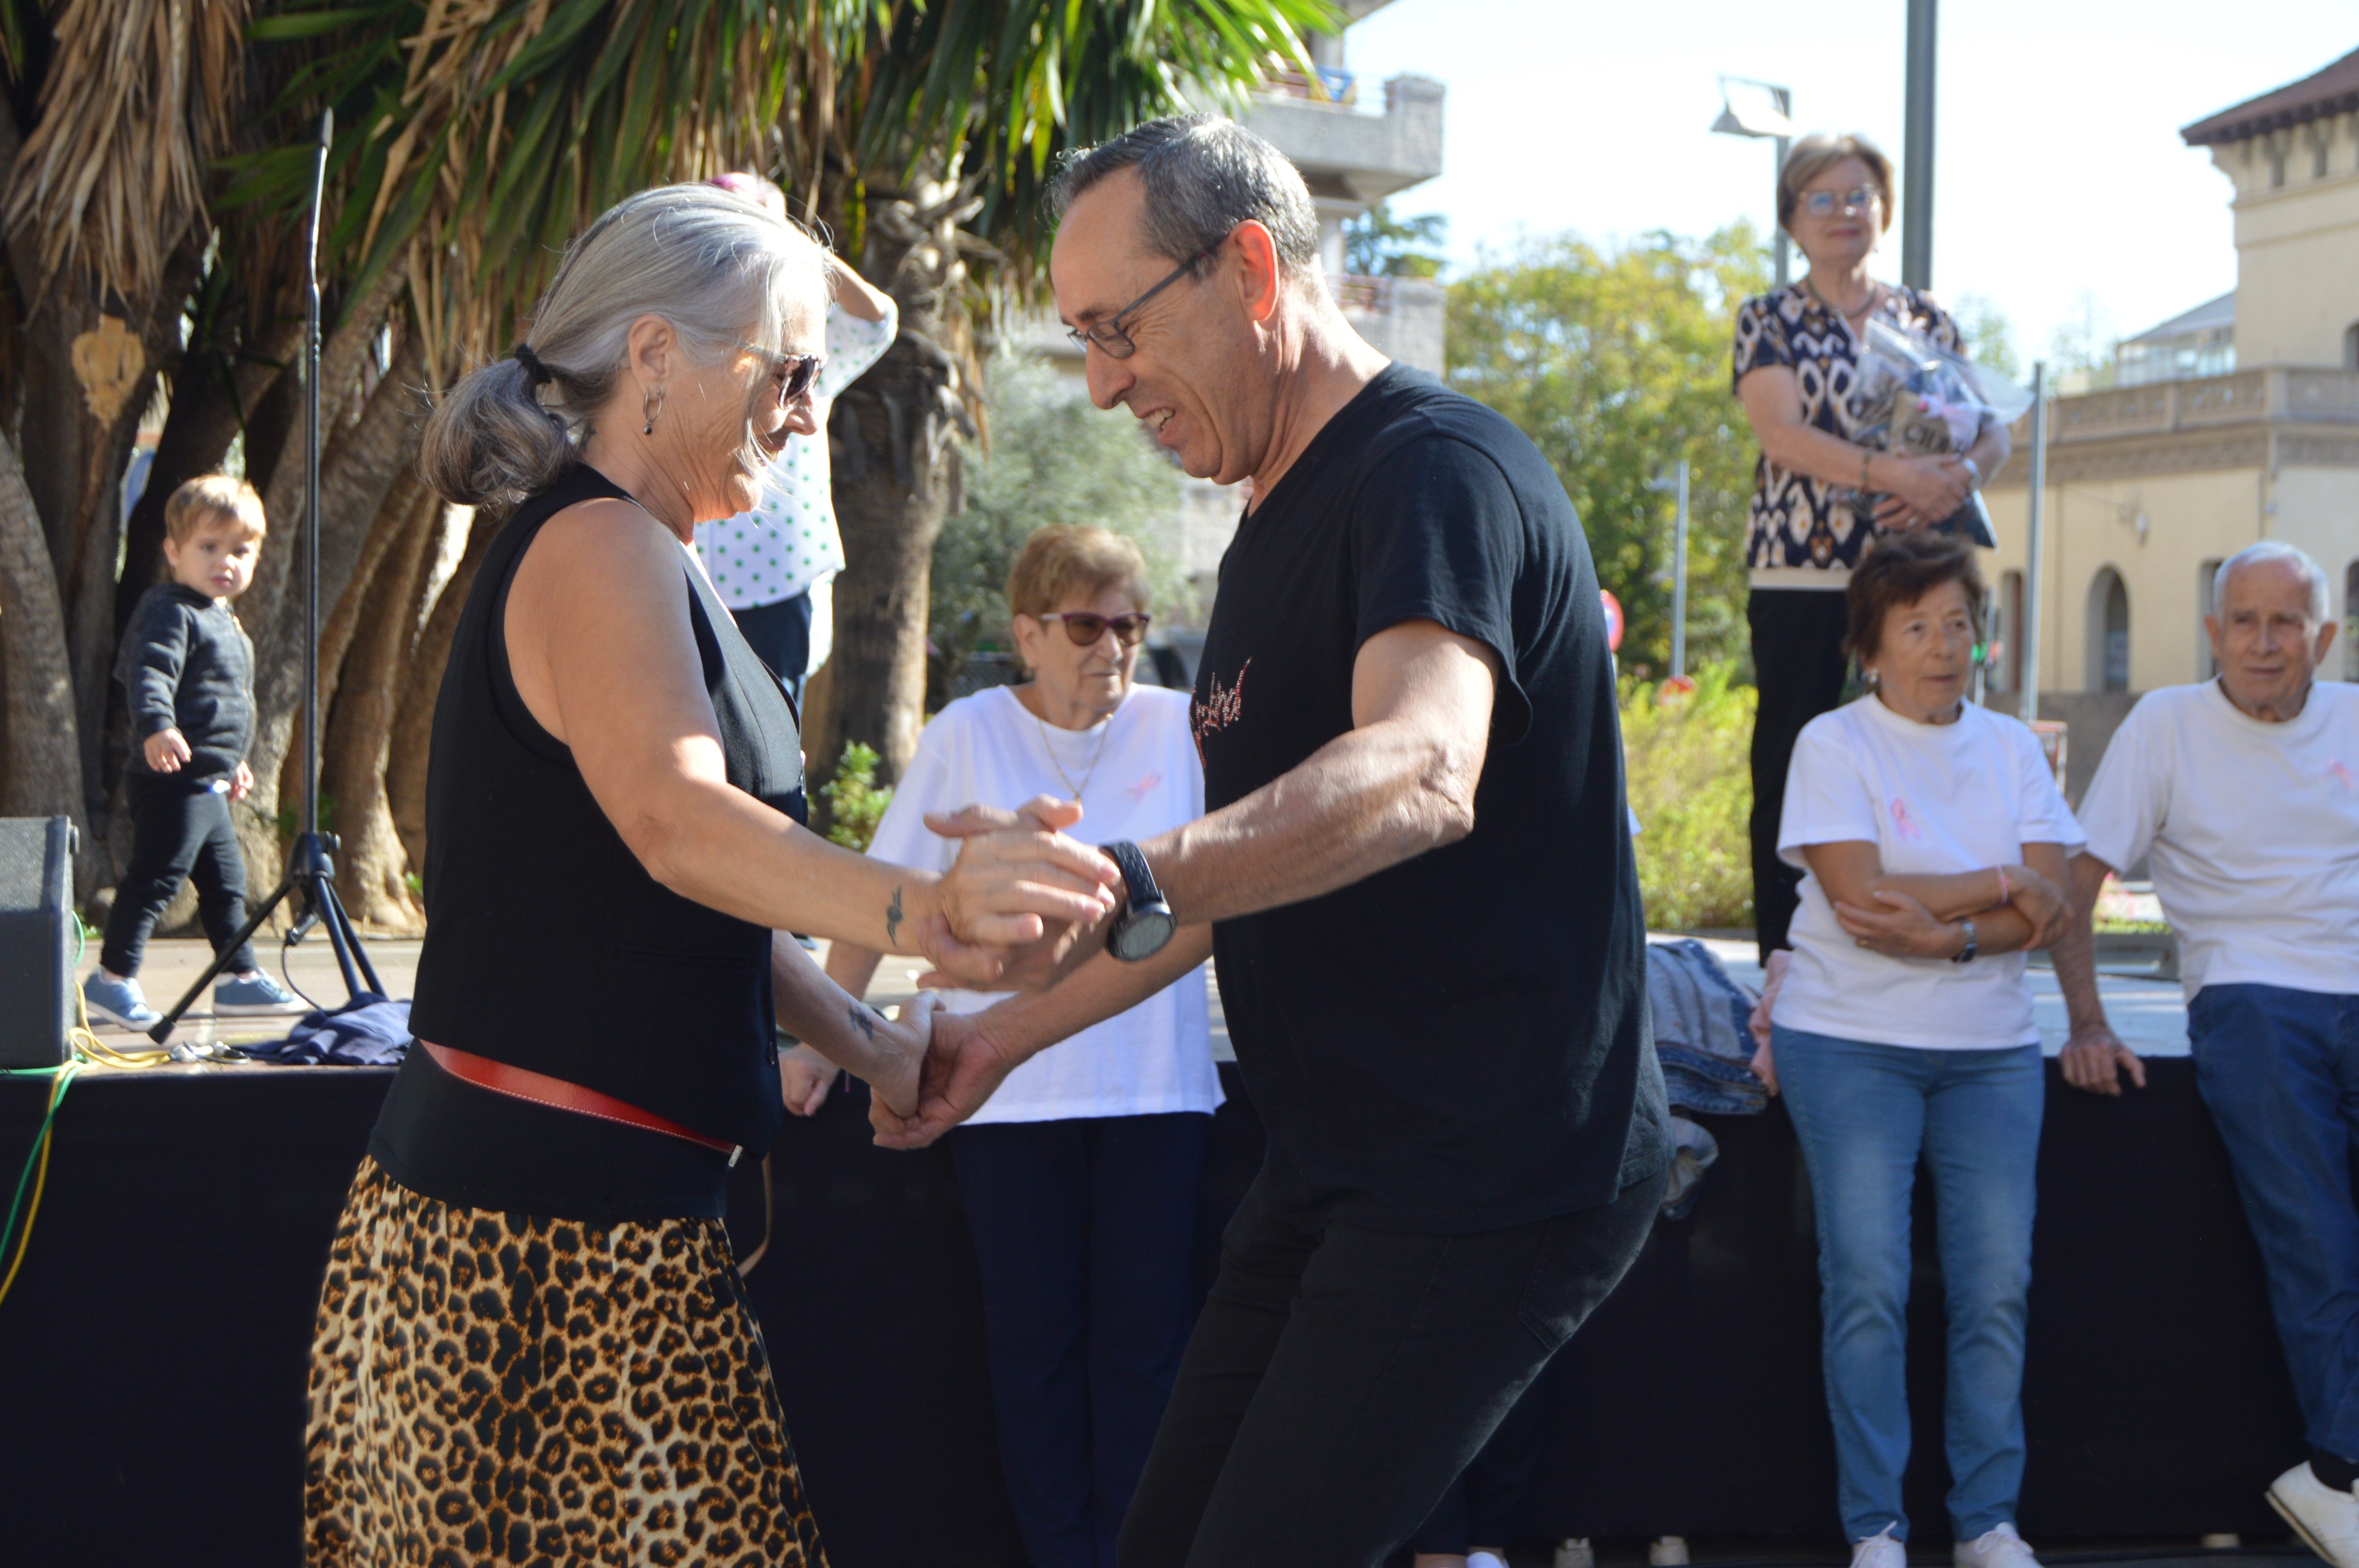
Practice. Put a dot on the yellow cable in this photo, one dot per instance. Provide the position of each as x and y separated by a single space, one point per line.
85 1048
40 1179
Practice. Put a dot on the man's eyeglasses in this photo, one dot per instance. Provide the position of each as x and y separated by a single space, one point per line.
1107 336
1858 198
802 369
1085 629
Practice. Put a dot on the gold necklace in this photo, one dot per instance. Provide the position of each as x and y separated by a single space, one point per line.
1096 757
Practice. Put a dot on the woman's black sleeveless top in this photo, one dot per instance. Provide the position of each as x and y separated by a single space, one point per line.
549 947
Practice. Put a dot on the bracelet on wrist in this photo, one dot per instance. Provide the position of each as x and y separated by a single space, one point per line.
1866 457
2006 894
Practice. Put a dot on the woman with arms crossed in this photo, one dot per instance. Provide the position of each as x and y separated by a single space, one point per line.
1932 842
532 1334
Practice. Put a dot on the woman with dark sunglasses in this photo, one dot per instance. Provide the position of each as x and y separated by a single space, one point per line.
614 855
1819 498
1080 1178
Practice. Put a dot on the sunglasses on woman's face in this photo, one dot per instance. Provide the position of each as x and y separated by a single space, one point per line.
799 371
1085 629
1858 198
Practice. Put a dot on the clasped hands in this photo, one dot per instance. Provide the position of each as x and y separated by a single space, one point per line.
1021 906
1929 488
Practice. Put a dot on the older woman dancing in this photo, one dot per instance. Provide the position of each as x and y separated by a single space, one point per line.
1797 351
532 1337
1933 843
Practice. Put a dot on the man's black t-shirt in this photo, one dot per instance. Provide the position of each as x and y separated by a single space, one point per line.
1458 1043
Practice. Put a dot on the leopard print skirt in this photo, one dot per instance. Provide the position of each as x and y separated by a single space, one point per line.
500 1388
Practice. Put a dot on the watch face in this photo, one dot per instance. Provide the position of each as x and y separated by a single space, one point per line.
1142 935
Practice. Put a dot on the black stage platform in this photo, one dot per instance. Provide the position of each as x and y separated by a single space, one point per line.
152 1353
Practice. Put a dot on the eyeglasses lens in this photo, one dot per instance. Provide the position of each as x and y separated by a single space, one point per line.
1128 630
1824 203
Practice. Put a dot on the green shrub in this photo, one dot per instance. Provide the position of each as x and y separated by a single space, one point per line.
1691 782
854 803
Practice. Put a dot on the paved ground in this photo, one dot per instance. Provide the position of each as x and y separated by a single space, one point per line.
2147 1014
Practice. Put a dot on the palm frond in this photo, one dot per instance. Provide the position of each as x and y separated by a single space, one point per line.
137 96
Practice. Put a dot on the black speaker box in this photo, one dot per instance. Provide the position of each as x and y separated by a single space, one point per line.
37 936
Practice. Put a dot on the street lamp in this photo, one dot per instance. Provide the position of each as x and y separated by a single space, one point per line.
1750 108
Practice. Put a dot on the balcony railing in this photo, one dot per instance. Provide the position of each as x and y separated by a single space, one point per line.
2270 394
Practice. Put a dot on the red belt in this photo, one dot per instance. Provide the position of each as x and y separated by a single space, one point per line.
522 1083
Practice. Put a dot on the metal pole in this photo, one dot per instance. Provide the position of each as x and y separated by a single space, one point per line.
1917 150
2033 552
1784 97
311 480
1680 581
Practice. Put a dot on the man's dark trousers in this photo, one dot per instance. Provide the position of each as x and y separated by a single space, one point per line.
179 830
1340 1377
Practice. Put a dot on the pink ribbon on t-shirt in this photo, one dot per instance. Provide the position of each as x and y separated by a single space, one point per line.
1904 821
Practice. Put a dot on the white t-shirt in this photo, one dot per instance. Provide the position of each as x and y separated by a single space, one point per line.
1139 776
788 543
2254 828
1932 798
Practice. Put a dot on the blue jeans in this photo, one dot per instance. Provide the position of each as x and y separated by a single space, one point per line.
1863 1113
1085 1235
2279 1070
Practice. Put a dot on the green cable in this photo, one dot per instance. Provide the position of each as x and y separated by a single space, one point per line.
41 1140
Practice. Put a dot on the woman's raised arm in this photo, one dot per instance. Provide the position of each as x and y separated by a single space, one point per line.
601 651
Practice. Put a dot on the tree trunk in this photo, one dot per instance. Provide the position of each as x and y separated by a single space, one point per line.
205 417
354 473
42 771
895 429
413 721
372 869
89 374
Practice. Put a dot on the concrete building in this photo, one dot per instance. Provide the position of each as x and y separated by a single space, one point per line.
1353 155
2236 422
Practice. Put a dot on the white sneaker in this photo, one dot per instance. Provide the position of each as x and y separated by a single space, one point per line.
2326 1520
1998 1547
1880 1551
1485 1560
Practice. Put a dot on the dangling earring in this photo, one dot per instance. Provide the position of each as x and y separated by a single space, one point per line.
651 405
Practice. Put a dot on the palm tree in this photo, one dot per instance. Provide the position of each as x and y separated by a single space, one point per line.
163 186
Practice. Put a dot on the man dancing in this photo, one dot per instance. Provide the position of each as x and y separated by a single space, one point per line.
1416 877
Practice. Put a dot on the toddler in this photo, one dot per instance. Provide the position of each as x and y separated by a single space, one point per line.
186 669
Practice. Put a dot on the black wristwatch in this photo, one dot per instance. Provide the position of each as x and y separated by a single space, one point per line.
1146 923
1965 954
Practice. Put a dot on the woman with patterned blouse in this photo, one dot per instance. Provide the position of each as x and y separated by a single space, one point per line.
1819 498
775 567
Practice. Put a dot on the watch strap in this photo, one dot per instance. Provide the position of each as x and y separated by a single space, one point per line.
1965 954
1136 878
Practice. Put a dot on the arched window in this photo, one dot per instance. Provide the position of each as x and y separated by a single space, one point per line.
2351 346
2109 632
2207 575
2351 621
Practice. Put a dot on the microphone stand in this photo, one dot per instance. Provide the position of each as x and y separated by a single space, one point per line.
310 876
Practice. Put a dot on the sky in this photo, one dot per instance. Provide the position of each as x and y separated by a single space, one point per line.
2060 184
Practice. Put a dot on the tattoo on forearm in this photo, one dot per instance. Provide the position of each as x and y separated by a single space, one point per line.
864 1021
893 917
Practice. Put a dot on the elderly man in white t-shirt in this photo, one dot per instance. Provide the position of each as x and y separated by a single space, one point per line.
2246 792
